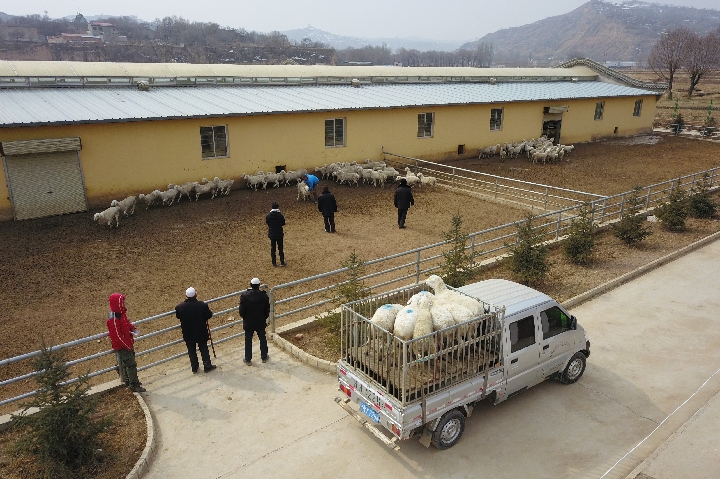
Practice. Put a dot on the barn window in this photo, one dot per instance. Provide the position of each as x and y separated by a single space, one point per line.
496 118
425 125
213 141
599 107
335 132
638 108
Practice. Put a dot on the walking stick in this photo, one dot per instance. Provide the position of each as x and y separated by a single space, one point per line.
210 337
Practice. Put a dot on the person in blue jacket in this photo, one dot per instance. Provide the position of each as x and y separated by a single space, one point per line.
311 181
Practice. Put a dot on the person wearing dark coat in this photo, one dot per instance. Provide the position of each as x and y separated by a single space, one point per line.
403 200
327 206
255 310
193 315
275 222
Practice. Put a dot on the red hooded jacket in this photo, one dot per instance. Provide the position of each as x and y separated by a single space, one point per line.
119 326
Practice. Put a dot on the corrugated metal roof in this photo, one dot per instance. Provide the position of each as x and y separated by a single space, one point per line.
11 68
87 105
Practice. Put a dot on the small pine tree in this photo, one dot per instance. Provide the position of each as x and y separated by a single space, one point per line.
674 211
528 256
352 289
700 205
630 228
63 433
580 243
458 263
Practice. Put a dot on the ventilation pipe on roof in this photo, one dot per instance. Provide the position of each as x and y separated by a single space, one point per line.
574 80
493 81
143 86
355 83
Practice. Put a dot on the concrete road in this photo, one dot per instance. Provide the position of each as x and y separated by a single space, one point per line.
655 343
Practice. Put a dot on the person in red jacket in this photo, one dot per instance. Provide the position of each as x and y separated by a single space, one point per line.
121 335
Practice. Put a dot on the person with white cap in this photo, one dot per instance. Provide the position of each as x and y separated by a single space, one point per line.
255 310
193 315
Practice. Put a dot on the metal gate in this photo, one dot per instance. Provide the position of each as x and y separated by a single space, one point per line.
44 183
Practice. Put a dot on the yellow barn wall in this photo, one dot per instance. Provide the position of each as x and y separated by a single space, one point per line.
119 159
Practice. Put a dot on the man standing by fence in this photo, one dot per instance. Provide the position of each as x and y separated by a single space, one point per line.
275 222
121 332
193 316
255 310
328 206
403 200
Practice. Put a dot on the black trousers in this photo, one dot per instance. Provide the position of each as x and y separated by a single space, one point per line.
263 343
277 243
402 214
329 223
202 346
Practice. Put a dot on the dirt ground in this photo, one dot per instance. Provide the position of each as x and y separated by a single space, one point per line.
123 442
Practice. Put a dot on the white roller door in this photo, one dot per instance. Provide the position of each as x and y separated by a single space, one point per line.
44 183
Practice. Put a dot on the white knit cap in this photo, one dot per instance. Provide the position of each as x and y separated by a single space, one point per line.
190 292
255 281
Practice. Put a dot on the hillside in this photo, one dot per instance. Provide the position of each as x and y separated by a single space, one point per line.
340 42
599 30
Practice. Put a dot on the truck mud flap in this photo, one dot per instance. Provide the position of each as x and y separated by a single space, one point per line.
343 403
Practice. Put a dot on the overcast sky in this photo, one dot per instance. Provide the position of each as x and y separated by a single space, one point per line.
448 20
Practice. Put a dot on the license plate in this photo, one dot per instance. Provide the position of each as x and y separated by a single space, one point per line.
370 412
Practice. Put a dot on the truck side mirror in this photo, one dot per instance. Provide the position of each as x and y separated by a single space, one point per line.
573 322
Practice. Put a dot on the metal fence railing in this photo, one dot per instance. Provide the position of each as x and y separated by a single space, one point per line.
493 186
314 295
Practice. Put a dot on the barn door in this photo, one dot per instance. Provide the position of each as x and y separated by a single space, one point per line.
44 183
551 129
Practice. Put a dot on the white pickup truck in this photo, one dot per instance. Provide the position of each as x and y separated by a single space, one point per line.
428 386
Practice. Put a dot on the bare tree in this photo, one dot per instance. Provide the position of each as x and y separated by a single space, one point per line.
667 55
702 57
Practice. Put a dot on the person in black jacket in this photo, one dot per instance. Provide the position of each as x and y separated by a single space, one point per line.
193 316
275 221
328 206
255 310
403 200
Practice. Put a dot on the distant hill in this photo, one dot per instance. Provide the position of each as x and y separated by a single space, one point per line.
340 42
5 16
599 30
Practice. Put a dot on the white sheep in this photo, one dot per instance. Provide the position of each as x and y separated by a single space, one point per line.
385 316
273 178
427 180
423 327
446 296
343 176
127 206
168 196
303 191
201 189
293 176
254 180
184 189
406 318
223 186
442 317
149 198
108 215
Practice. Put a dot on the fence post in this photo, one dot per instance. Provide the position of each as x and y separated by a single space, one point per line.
272 310
712 176
622 206
417 267
121 369
472 248
692 185
647 201
557 227
453 177
546 197
602 216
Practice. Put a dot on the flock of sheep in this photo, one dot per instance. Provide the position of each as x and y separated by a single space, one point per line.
126 207
426 312
375 172
542 150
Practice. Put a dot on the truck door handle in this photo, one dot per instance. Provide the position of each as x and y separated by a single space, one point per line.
514 361
545 347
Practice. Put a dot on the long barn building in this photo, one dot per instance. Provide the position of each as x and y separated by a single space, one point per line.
76 135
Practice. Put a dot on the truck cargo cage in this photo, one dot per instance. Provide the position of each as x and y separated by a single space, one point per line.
408 370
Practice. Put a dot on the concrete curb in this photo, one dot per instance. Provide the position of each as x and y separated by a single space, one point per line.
603 288
301 355
148 453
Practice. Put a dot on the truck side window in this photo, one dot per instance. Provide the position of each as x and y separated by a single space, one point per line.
554 321
522 333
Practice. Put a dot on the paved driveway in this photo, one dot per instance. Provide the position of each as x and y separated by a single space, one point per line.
655 341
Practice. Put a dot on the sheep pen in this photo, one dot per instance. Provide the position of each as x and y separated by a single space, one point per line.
57 272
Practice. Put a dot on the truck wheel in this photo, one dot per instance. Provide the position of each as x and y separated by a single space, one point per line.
449 429
574 369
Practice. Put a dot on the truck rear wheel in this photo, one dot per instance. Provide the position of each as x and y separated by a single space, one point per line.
574 369
449 429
